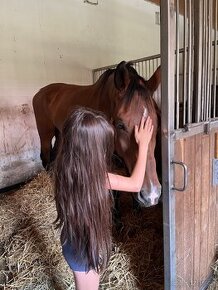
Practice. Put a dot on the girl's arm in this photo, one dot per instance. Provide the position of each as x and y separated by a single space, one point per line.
143 135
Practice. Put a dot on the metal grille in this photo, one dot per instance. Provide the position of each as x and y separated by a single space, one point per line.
196 98
145 66
196 62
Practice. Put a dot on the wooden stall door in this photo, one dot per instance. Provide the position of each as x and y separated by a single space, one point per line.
196 216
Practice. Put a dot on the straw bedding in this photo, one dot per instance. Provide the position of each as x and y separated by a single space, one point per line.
214 284
30 253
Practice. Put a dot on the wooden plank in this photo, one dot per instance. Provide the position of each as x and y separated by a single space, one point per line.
212 207
189 214
217 220
205 155
197 206
179 215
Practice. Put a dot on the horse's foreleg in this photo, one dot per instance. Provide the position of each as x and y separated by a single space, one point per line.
54 150
45 126
117 211
45 156
46 149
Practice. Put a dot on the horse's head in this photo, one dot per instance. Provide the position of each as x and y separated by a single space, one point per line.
135 96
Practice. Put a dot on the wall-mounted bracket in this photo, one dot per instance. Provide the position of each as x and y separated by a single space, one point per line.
92 2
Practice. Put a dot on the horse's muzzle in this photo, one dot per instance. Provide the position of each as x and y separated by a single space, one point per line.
147 199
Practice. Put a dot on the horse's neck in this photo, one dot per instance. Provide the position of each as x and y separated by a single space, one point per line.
105 96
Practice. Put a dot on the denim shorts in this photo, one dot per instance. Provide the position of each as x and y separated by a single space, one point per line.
76 263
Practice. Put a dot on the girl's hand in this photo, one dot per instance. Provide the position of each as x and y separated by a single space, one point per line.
144 131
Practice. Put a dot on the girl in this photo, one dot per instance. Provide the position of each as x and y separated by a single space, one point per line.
83 185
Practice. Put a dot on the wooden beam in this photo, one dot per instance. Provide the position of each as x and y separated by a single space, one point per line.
157 2
181 6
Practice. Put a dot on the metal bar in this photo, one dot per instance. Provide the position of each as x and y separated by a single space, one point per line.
206 63
149 68
203 99
134 61
198 59
216 66
157 57
209 58
189 61
215 59
146 69
137 66
214 124
157 62
152 66
196 128
185 64
177 66
167 125
93 77
207 45
143 69
192 61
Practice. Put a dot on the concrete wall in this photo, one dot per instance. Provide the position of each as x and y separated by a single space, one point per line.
45 41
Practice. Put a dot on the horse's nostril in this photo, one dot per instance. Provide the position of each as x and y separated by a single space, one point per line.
152 201
145 198
149 200
141 194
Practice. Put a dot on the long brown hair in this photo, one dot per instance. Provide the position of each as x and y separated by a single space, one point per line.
82 200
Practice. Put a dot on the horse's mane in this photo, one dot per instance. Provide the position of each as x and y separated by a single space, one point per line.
136 83
104 77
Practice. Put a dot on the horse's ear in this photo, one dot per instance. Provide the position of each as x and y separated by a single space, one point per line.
121 76
154 82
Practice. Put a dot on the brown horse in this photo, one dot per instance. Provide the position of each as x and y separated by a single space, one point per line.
122 95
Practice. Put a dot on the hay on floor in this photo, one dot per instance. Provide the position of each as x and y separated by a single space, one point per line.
214 284
31 255
30 252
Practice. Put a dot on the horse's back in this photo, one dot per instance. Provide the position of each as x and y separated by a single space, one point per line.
50 92
56 100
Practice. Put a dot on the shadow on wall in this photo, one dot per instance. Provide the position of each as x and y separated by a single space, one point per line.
19 145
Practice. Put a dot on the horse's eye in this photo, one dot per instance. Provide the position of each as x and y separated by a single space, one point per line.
120 126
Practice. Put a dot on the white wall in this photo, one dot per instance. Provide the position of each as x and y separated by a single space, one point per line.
44 41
